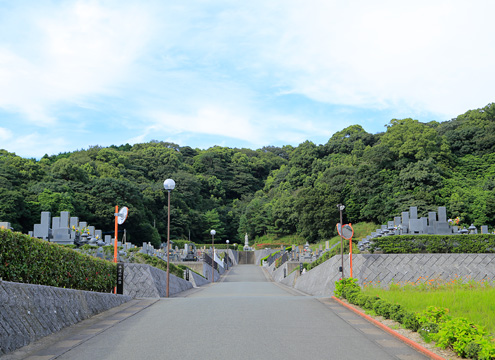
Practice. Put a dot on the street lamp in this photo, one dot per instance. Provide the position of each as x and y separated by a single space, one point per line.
212 232
227 254
341 208
169 185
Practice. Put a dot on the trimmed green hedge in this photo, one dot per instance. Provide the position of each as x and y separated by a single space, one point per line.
460 244
28 260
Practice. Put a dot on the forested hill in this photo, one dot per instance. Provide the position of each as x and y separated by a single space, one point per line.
273 190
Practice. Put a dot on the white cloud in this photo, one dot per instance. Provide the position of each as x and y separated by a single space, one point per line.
77 50
5 134
256 71
33 144
432 56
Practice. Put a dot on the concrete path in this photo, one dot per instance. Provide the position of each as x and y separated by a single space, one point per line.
242 317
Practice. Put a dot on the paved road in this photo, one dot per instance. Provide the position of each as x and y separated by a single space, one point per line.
243 317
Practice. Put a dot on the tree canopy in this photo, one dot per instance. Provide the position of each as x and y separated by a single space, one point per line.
273 190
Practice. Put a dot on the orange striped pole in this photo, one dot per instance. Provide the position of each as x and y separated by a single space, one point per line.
350 246
115 240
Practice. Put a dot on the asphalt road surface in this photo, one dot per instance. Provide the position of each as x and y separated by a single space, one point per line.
244 316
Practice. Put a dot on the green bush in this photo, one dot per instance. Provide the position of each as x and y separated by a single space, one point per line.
397 313
28 260
377 305
410 321
433 314
370 301
428 331
457 333
352 294
361 299
384 309
480 348
409 244
472 350
346 283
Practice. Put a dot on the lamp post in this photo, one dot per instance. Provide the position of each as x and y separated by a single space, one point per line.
212 232
341 207
227 253
169 185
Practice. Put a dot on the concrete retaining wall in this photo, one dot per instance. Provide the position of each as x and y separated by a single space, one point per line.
141 281
30 312
197 280
207 272
387 268
260 254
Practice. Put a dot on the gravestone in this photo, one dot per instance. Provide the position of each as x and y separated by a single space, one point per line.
432 220
60 229
5 225
424 221
55 222
415 224
327 245
442 214
413 213
484 229
43 230
442 227
405 222
64 219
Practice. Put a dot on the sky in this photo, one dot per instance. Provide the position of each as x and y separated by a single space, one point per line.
200 73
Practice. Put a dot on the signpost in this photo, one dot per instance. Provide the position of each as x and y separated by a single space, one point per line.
120 278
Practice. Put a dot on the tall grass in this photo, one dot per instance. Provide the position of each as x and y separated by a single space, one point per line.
473 300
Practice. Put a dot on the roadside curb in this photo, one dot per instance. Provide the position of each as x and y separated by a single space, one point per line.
409 342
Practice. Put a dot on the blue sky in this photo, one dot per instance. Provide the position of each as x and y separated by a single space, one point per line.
234 73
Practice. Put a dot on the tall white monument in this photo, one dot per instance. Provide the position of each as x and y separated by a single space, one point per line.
246 242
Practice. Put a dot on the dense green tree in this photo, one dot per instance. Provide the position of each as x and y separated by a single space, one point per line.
273 190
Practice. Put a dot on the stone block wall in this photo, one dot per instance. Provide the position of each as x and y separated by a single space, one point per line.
142 281
29 312
384 269
207 272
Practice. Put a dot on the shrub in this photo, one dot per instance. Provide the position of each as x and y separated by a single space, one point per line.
376 306
433 314
410 321
361 299
428 330
398 315
409 244
345 283
370 301
384 309
457 333
28 260
352 294
480 348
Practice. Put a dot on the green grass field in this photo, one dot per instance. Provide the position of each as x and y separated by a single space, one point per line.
472 300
